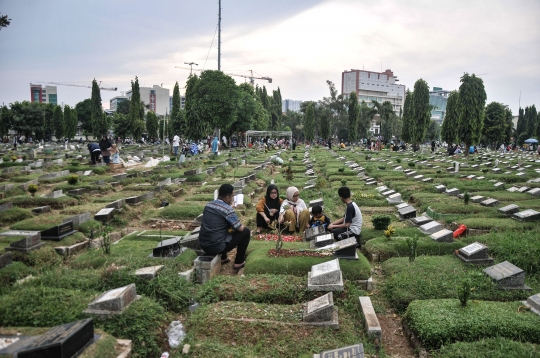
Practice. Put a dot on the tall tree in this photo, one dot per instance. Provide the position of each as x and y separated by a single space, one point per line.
48 127
28 119
195 127
70 120
121 124
421 113
216 99
101 125
408 114
472 100
5 121
262 118
277 108
136 111
123 107
364 121
531 116
247 107
521 127
354 113
509 128
96 110
58 122
84 115
494 131
434 130
387 118
177 119
449 132
309 123
152 124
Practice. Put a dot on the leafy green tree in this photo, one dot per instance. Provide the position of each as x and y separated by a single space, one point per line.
70 120
247 108
216 97
293 120
262 118
4 21
121 124
521 126
354 113
364 121
433 131
449 127
48 128
28 119
5 121
96 111
509 128
309 123
195 128
421 112
177 122
123 107
101 125
408 114
494 130
277 109
472 100
387 117
84 115
58 122
136 111
325 125
531 116
337 104
152 124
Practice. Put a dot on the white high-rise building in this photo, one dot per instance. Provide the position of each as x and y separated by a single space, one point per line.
290 105
157 97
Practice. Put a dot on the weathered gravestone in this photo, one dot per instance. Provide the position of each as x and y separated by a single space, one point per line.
394 198
421 220
527 216
407 212
78 219
325 277
206 267
104 215
148 273
534 303
477 199
321 312
475 253
27 244
401 206
313 232
452 192
113 301
372 325
169 248
67 340
443 235
58 232
507 276
322 240
5 259
355 351
508 210
431 227
6 206
192 240
346 249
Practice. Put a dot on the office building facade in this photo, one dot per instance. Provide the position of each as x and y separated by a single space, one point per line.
157 97
290 105
182 102
115 101
43 94
438 98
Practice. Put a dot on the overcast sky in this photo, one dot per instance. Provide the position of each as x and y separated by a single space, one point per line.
298 43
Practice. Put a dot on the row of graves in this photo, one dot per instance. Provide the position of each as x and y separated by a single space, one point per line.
313 281
119 249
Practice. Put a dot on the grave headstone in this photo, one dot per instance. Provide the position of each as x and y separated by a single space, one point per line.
529 215
5 259
477 199
534 192
323 240
6 206
206 267
167 249
325 277
78 219
440 188
113 301
394 198
356 351
346 249
29 243
321 311
372 325
421 220
319 201
443 235
313 232
490 202
58 232
452 192
104 215
508 210
507 276
534 303
67 340
475 253
431 227
148 273
407 212
118 204
401 206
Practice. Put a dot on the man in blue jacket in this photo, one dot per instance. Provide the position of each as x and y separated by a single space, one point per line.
95 152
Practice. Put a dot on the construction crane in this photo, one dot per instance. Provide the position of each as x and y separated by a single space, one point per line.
74 85
251 78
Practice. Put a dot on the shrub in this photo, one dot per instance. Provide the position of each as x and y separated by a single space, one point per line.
32 189
466 198
485 170
24 156
489 348
438 322
341 169
73 179
45 257
382 167
411 164
99 170
464 291
398 160
75 163
412 243
14 215
381 222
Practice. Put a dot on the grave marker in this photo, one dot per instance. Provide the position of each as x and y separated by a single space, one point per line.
431 227
508 210
104 215
408 212
325 277
58 232
356 351
475 253
507 276
443 235
112 302
321 311
527 216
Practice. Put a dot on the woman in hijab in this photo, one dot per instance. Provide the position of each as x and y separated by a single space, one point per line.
105 145
268 208
115 154
294 210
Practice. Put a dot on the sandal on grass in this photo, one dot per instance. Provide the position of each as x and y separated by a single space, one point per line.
237 268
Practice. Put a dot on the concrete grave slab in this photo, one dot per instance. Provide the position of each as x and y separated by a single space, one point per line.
443 235
507 276
113 301
431 227
325 277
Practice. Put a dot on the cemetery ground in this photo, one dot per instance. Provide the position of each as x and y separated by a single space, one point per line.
77 244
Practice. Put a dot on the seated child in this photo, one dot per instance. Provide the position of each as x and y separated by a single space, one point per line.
318 219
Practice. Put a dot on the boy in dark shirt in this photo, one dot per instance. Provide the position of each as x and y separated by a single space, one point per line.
318 218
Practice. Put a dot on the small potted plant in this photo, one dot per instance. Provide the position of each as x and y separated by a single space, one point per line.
32 189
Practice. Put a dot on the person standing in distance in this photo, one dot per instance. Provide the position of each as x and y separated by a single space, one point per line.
221 229
175 144
351 223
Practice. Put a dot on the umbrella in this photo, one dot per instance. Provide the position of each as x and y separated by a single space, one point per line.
531 141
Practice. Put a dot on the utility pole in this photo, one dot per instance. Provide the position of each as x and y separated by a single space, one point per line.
191 66
219 39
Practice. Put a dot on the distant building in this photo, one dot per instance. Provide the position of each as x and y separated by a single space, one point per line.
438 98
374 86
43 94
182 102
157 97
290 105
115 101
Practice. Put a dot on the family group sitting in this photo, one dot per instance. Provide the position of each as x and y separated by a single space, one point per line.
272 210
